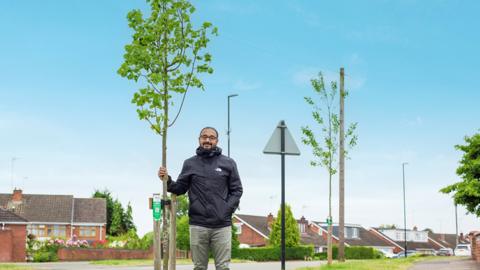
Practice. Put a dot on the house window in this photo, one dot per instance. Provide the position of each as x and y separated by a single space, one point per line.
56 231
87 231
47 230
351 233
238 226
354 232
37 230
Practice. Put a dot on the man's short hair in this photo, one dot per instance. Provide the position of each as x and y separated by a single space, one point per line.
212 128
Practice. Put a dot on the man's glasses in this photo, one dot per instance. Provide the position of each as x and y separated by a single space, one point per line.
205 137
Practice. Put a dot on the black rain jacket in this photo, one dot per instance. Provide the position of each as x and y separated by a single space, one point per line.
213 185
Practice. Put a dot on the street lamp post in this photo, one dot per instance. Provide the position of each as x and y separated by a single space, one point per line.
228 126
456 229
404 210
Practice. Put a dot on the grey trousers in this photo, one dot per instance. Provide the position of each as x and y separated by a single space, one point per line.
218 240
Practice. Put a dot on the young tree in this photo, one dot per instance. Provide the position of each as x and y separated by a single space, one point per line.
292 234
467 192
166 52
325 152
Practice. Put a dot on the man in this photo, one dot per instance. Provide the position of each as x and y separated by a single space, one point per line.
214 191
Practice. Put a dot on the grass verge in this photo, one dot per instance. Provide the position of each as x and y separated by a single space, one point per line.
148 262
379 264
4 266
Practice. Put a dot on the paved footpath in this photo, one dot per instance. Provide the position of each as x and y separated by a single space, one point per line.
290 265
454 264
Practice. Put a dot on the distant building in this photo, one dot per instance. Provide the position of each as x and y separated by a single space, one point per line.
52 216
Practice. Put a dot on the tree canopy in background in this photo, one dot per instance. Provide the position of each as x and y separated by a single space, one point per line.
119 220
467 192
292 234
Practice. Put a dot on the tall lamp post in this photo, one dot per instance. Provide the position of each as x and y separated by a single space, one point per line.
228 126
404 210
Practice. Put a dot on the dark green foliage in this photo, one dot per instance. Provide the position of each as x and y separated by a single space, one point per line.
292 234
45 256
353 253
235 241
128 219
467 192
273 253
119 221
182 206
183 233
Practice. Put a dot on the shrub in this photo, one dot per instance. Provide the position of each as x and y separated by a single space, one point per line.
45 256
273 253
353 253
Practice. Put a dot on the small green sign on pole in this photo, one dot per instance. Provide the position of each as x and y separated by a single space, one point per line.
157 207
329 221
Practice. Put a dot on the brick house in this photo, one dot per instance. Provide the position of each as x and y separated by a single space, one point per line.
474 238
13 235
253 231
51 216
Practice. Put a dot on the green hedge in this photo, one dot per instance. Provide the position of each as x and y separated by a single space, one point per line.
273 253
353 253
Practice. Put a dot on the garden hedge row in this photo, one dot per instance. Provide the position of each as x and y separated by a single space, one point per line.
273 253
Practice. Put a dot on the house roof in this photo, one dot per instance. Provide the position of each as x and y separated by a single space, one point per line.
56 208
8 216
259 223
445 239
312 238
90 210
365 237
410 244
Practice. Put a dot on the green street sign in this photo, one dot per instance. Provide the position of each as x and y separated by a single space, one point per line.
329 221
157 207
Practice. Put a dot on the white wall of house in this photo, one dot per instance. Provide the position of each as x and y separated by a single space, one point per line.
412 235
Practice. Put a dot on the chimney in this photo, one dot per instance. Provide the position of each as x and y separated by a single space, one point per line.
303 220
270 220
17 195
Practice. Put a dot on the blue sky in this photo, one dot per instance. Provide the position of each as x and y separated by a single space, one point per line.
411 68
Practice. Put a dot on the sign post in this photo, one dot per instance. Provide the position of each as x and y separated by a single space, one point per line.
157 215
282 143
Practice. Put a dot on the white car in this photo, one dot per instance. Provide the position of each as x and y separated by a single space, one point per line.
463 250
387 254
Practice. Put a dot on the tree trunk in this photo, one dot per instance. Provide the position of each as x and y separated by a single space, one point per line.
165 232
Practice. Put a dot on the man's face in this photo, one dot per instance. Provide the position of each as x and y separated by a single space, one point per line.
208 139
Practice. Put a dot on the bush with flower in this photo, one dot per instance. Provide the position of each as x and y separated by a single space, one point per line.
46 250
